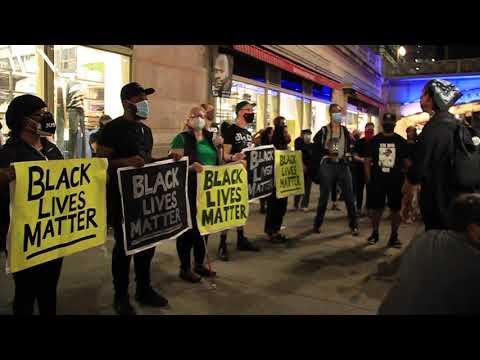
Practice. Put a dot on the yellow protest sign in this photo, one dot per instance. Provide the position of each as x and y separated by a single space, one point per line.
58 208
289 178
222 198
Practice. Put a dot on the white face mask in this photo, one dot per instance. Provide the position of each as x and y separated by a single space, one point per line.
143 110
198 123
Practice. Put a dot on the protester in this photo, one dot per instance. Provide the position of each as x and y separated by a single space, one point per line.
331 145
412 138
30 125
104 120
434 147
209 114
385 161
198 144
236 138
304 144
276 208
359 154
127 141
440 269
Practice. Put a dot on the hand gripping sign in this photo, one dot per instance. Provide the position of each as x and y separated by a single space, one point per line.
289 179
222 198
154 203
57 208
260 170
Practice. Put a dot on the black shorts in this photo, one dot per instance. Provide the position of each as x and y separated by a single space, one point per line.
385 189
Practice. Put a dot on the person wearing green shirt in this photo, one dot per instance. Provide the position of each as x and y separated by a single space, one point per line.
200 146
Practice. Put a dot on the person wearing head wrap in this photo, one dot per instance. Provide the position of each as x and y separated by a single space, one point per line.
30 125
430 166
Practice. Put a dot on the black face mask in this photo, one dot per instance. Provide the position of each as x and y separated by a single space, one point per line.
46 125
249 117
388 127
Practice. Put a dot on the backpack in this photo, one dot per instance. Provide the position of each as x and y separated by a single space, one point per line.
465 161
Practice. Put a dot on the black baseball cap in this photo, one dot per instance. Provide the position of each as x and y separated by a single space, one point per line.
241 104
134 89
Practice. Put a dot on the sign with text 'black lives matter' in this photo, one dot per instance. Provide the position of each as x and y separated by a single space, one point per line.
154 203
260 169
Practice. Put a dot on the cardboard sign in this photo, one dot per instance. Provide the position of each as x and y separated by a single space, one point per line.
289 177
260 171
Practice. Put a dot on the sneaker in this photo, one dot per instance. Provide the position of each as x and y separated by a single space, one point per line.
223 252
150 297
243 244
394 242
189 276
354 231
123 307
278 239
204 272
373 239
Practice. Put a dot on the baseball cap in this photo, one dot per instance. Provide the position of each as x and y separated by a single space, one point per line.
241 104
20 107
134 89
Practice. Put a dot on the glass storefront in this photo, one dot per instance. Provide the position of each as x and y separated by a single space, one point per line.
86 85
291 108
21 72
319 115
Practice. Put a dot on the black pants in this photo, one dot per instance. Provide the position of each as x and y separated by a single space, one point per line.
185 242
37 283
121 265
276 210
358 178
331 173
305 197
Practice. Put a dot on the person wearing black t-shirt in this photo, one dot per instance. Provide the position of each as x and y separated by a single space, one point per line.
126 141
236 138
386 160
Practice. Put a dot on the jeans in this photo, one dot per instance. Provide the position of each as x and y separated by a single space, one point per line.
276 210
305 197
121 265
330 173
358 185
40 283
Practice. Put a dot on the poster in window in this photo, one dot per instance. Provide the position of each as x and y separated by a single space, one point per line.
222 75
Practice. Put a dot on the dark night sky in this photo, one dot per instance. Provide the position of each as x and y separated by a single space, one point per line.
455 51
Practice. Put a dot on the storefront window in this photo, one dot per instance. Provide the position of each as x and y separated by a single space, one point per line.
319 115
291 108
352 120
87 85
363 119
272 107
21 72
240 91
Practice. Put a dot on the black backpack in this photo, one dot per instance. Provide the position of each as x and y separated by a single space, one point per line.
465 161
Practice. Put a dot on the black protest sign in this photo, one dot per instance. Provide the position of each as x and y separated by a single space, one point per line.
154 203
260 169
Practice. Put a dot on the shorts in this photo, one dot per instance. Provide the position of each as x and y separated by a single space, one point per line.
383 190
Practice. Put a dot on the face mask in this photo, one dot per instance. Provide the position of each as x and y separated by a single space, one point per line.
249 117
337 117
388 127
46 126
198 123
143 110
210 115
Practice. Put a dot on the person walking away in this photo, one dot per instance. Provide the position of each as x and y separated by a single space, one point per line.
440 270
359 154
385 161
198 144
30 125
127 141
304 144
276 208
236 138
431 167
331 144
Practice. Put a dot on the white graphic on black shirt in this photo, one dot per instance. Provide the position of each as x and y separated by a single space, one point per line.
386 157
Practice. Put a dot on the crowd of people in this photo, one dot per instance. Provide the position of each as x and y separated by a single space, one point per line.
393 172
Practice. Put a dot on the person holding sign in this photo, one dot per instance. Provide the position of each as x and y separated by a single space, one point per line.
237 138
332 145
126 141
30 124
198 144
277 208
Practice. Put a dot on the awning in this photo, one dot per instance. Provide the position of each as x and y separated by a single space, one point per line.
287 65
